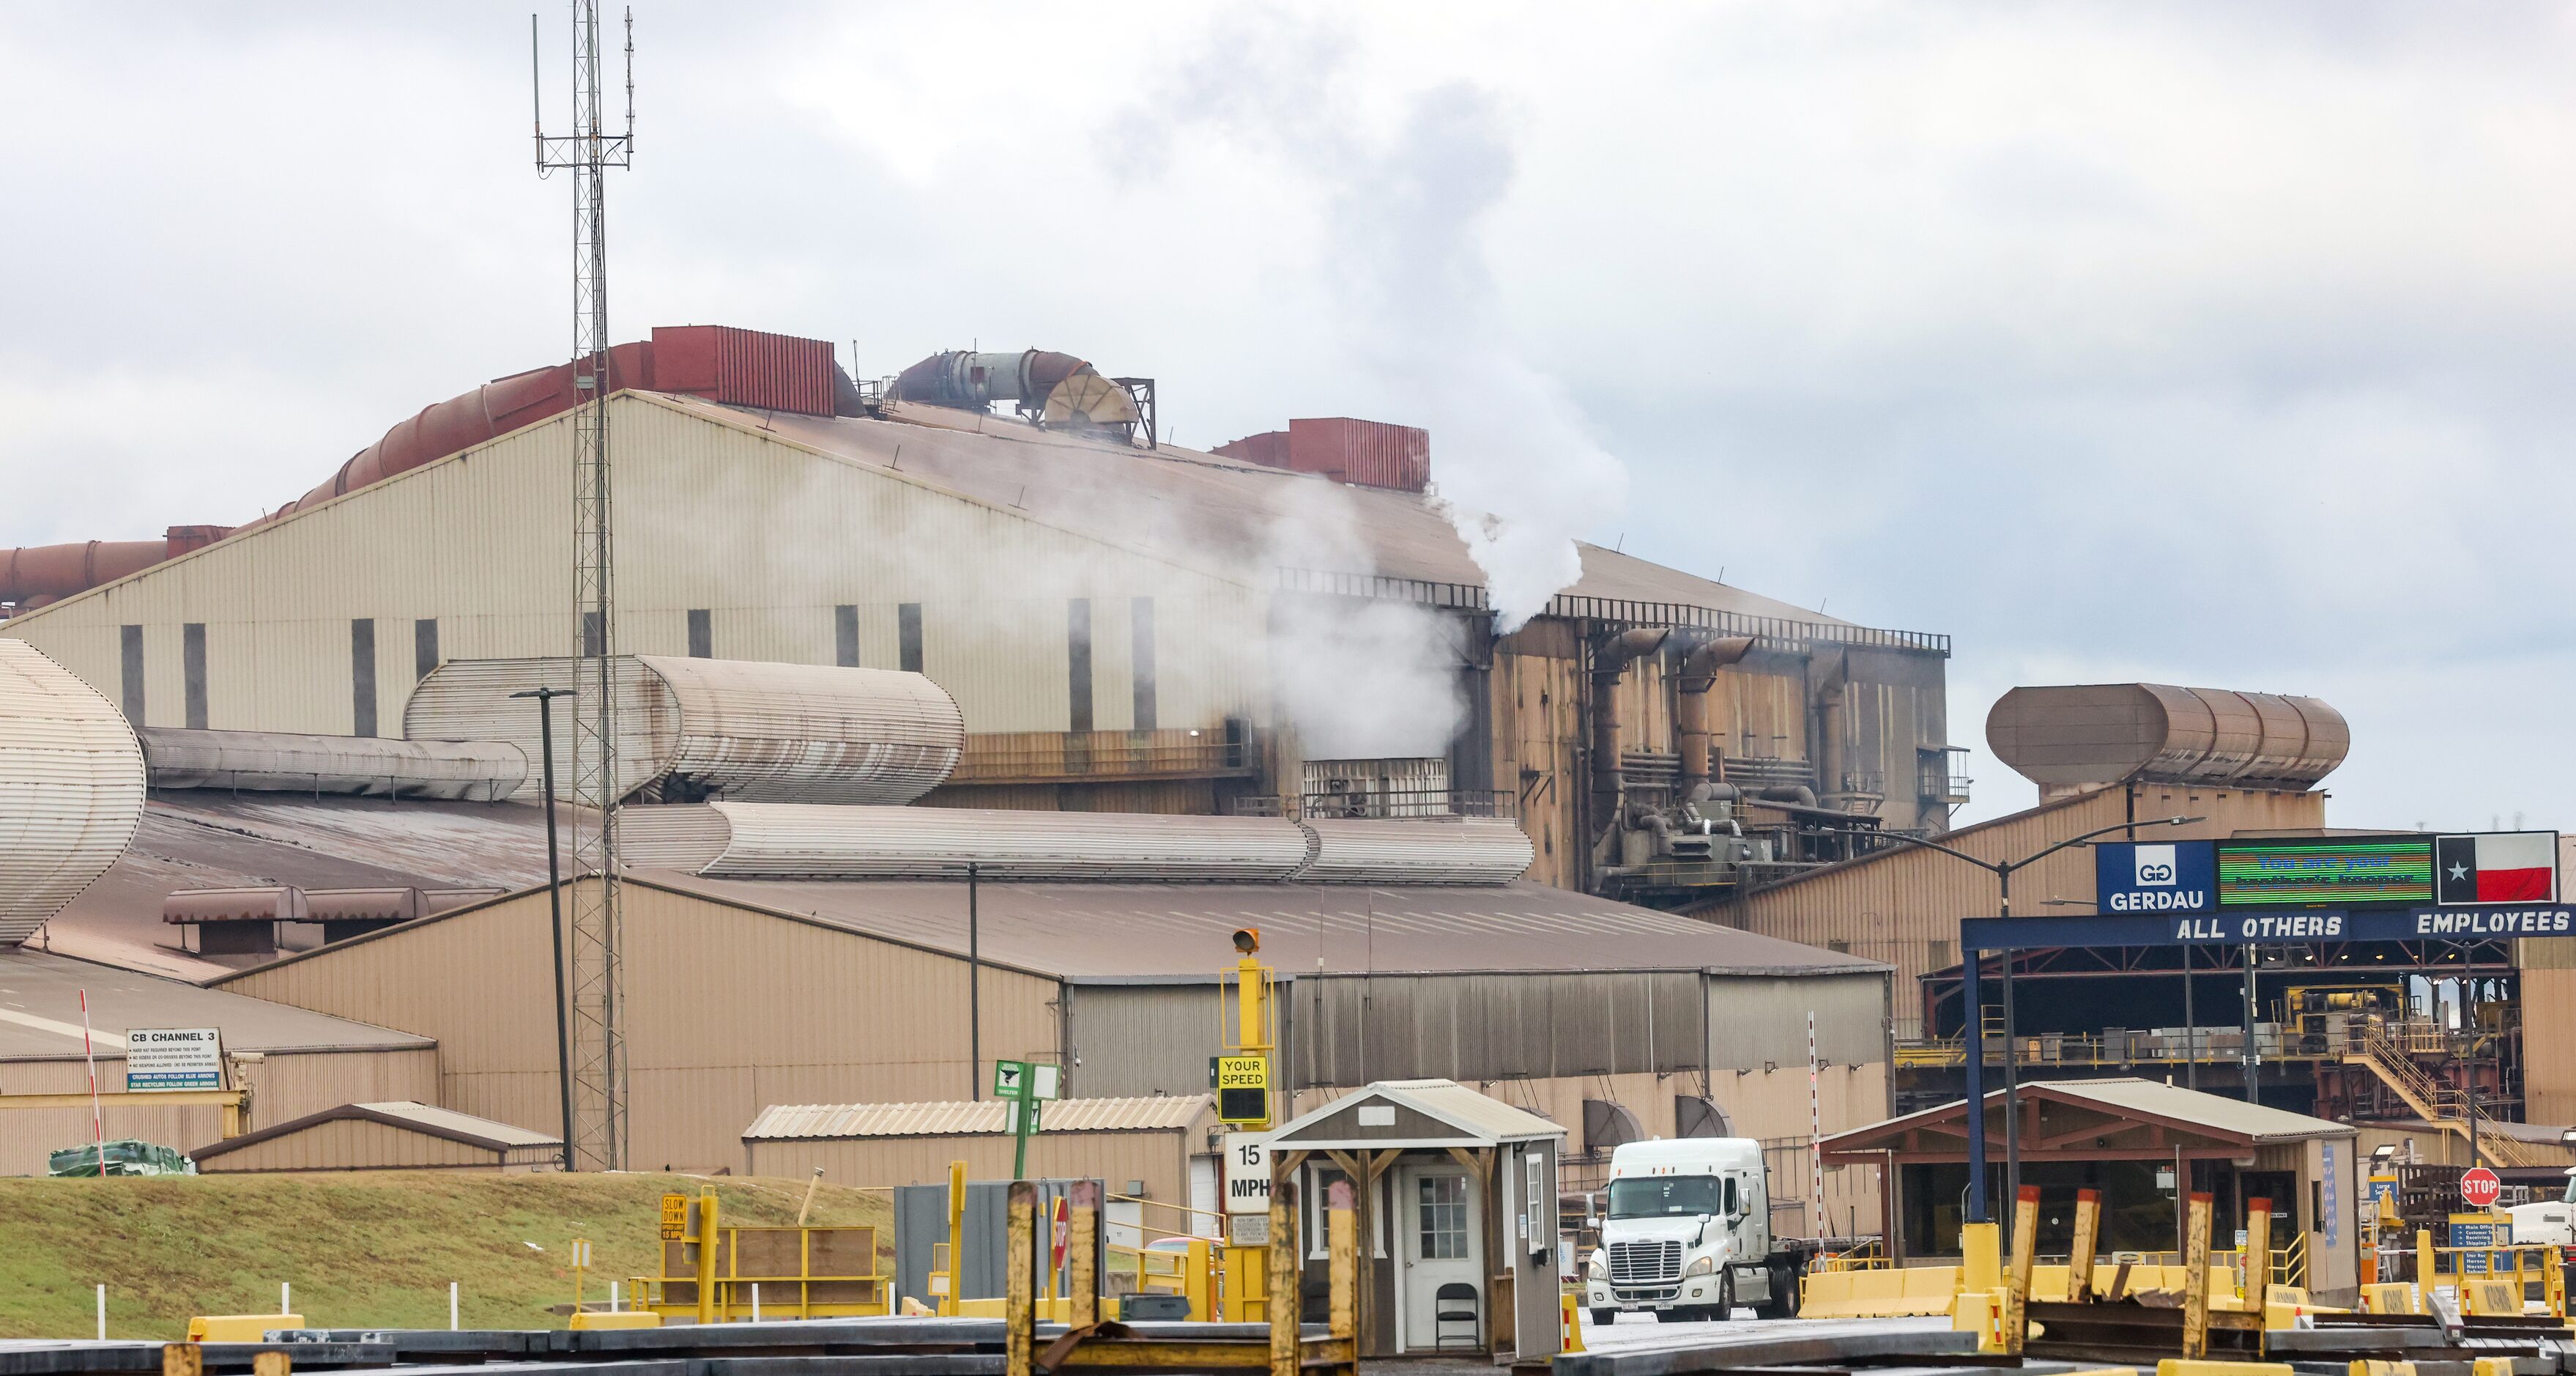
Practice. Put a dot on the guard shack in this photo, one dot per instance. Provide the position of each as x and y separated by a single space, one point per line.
1456 1203
2146 1146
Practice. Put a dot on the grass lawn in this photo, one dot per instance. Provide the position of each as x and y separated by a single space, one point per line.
373 1249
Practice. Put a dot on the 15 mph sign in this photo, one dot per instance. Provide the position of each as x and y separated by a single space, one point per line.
1247 1174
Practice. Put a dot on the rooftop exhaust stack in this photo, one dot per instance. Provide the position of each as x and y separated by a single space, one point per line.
2079 737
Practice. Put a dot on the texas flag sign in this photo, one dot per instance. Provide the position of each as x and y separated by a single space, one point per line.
2496 867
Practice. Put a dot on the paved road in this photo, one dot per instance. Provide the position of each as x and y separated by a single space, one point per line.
1634 1331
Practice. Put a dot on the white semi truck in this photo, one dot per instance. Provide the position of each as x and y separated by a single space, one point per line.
2547 1223
1686 1234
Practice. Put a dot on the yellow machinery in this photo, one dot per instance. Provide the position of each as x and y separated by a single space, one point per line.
717 1274
1253 1037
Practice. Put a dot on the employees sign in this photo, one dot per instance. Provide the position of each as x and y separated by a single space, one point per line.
174 1058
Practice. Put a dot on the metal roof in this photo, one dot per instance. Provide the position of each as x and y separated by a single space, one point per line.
401 1113
1125 933
40 1013
1160 1113
1231 516
207 839
1479 1117
2127 1097
2157 1099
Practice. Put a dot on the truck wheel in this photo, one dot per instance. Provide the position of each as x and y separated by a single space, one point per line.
1603 1318
1783 1303
1725 1310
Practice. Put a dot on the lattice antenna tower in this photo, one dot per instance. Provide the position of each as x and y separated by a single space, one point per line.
599 1078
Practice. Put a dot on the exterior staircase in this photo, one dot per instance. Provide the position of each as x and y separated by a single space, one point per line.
2432 1100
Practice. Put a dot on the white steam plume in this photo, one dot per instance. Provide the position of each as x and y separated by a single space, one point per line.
1518 472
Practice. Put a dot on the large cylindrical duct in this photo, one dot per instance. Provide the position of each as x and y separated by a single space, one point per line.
1833 728
2088 735
71 788
277 762
1699 670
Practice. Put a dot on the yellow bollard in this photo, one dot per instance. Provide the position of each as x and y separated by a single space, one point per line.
2088 1234
2025 1250
1570 1314
2195 1297
2258 1253
1981 1257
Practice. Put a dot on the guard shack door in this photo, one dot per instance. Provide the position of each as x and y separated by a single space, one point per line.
1438 1206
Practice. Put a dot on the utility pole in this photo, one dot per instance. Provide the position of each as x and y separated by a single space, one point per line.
599 1043
554 907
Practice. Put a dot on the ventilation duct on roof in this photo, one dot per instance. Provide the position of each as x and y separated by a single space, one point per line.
1056 390
277 762
783 841
691 729
2074 737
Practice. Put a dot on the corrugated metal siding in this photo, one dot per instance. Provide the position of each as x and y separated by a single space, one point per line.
1146 1038
2549 1045
782 1122
1538 731
1159 1159
71 788
1904 907
1757 1022
1464 851
1357 1028
729 1011
349 1144
481 541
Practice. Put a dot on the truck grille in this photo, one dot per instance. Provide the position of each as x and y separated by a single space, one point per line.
1645 1263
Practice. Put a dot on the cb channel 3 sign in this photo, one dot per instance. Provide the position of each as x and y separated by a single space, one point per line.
2156 877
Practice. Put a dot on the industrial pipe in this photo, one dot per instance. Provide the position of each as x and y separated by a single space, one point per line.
53 572
1690 708
1832 722
1611 656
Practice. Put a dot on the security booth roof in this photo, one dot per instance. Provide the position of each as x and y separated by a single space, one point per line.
1418 1113
2122 1119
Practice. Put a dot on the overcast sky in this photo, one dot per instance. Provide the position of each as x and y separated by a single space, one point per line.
2214 344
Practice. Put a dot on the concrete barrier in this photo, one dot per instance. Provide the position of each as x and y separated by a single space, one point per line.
1912 1292
2391 1297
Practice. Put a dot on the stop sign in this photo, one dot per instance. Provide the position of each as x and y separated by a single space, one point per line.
2479 1187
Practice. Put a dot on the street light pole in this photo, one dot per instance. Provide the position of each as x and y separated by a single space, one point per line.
1975 1046
554 900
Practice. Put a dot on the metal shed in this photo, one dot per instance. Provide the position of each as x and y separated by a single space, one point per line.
1144 1149
1457 1213
398 1136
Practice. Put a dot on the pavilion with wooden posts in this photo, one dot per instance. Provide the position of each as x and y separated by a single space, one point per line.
2147 1147
1456 1197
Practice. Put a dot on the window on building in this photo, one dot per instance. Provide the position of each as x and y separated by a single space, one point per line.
1077 639
845 636
1140 641
424 647
907 627
1442 1207
192 672
362 676
129 678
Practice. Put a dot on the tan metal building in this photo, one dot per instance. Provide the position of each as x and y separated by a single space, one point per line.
399 1136
292 1061
1160 1149
746 993
1122 629
1903 906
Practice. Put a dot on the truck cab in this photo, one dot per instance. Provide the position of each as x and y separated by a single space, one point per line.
1686 1234
2548 1223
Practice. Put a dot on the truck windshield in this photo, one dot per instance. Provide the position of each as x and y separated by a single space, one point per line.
1666 1196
